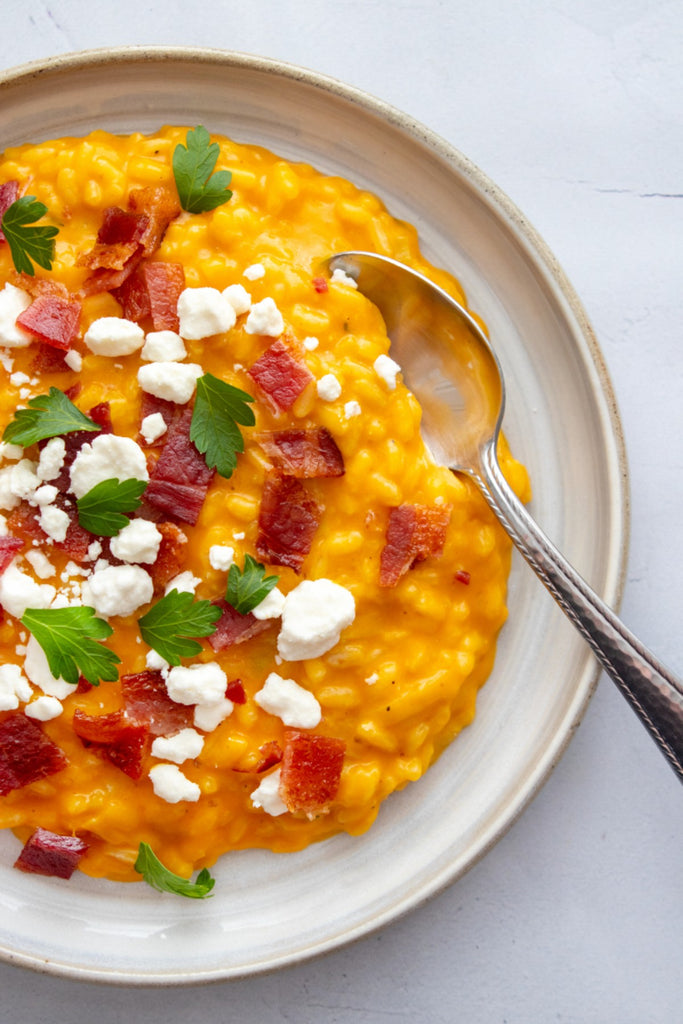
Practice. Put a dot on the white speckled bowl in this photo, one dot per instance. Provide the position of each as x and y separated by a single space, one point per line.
273 910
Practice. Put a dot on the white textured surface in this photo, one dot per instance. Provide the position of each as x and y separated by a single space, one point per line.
574 109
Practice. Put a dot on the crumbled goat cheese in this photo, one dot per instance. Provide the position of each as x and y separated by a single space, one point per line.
14 687
271 606
114 336
203 312
313 617
203 683
24 479
265 318
155 662
44 495
163 347
208 717
239 536
183 746
339 276
94 551
294 705
19 592
310 344
254 272
174 382
44 709
371 680
105 458
118 589
55 522
19 378
351 409
328 388
74 360
171 785
13 302
38 671
11 451
51 459
221 557
8 500
387 369
184 583
152 427
41 565
267 795
4 529
238 297
137 542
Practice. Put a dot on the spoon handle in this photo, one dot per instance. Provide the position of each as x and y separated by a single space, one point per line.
654 693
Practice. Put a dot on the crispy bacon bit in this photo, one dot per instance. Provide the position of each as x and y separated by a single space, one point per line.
414 532
47 359
171 556
46 853
320 284
179 481
53 320
147 702
280 376
303 453
9 193
151 294
311 770
234 691
26 753
233 628
161 206
288 519
114 736
462 576
121 227
9 547
271 754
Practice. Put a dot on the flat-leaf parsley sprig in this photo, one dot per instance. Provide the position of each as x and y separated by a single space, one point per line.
170 624
198 189
218 408
69 637
46 416
160 878
103 509
249 586
28 244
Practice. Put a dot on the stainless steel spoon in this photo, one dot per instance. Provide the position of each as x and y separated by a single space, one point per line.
457 379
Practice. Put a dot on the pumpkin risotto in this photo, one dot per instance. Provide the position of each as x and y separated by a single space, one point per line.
240 603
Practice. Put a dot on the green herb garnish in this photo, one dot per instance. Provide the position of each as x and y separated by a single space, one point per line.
69 638
218 408
247 587
101 510
47 416
172 621
198 189
160 878
28 243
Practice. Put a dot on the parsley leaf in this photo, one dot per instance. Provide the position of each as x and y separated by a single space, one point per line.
170 622
101 510
46 416
247 587
198 189
27 243
69 638
160 878
218 408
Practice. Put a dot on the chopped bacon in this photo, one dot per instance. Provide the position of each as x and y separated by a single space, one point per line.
121 227
234 628
461 576
320 284
9 193
37 286
9 547
147 702
280 376
99 414
234 691
161 206
414 532
271 754
151 294
26 753
288 519
53 320
47 359
46 853
170 411
179 481
303 453
24 520
311 770
117 738
171 555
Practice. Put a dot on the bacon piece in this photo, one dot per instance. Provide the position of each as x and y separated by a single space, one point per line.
233 628
179 481
26 753
147 702
271 754
320 284
280 376
234 691
311 770
414 532
9 193
53 320
161 206
302 453
47 359
36 286
121 227
114 736
46 853
462 576
151 294
171 555
9 546
288 519
24 520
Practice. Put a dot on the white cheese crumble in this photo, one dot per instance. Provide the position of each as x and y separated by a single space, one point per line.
328 388
208 717
171 785
197 684
351 409
13 302
118 589
114 336
183 746
8 500
313 617
267 797
152 427
185 583
105 458
19 378
40 563
175 382
203 312
44 709
155 662
340 276
14 687
19 592
265 318
238 297
387 369
44 495
294 705
74 360
11 451
51 459
271 606
138 541
38 671
310 344
163 347
255 272
221 557
372 679
55 522
94 551
23 480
